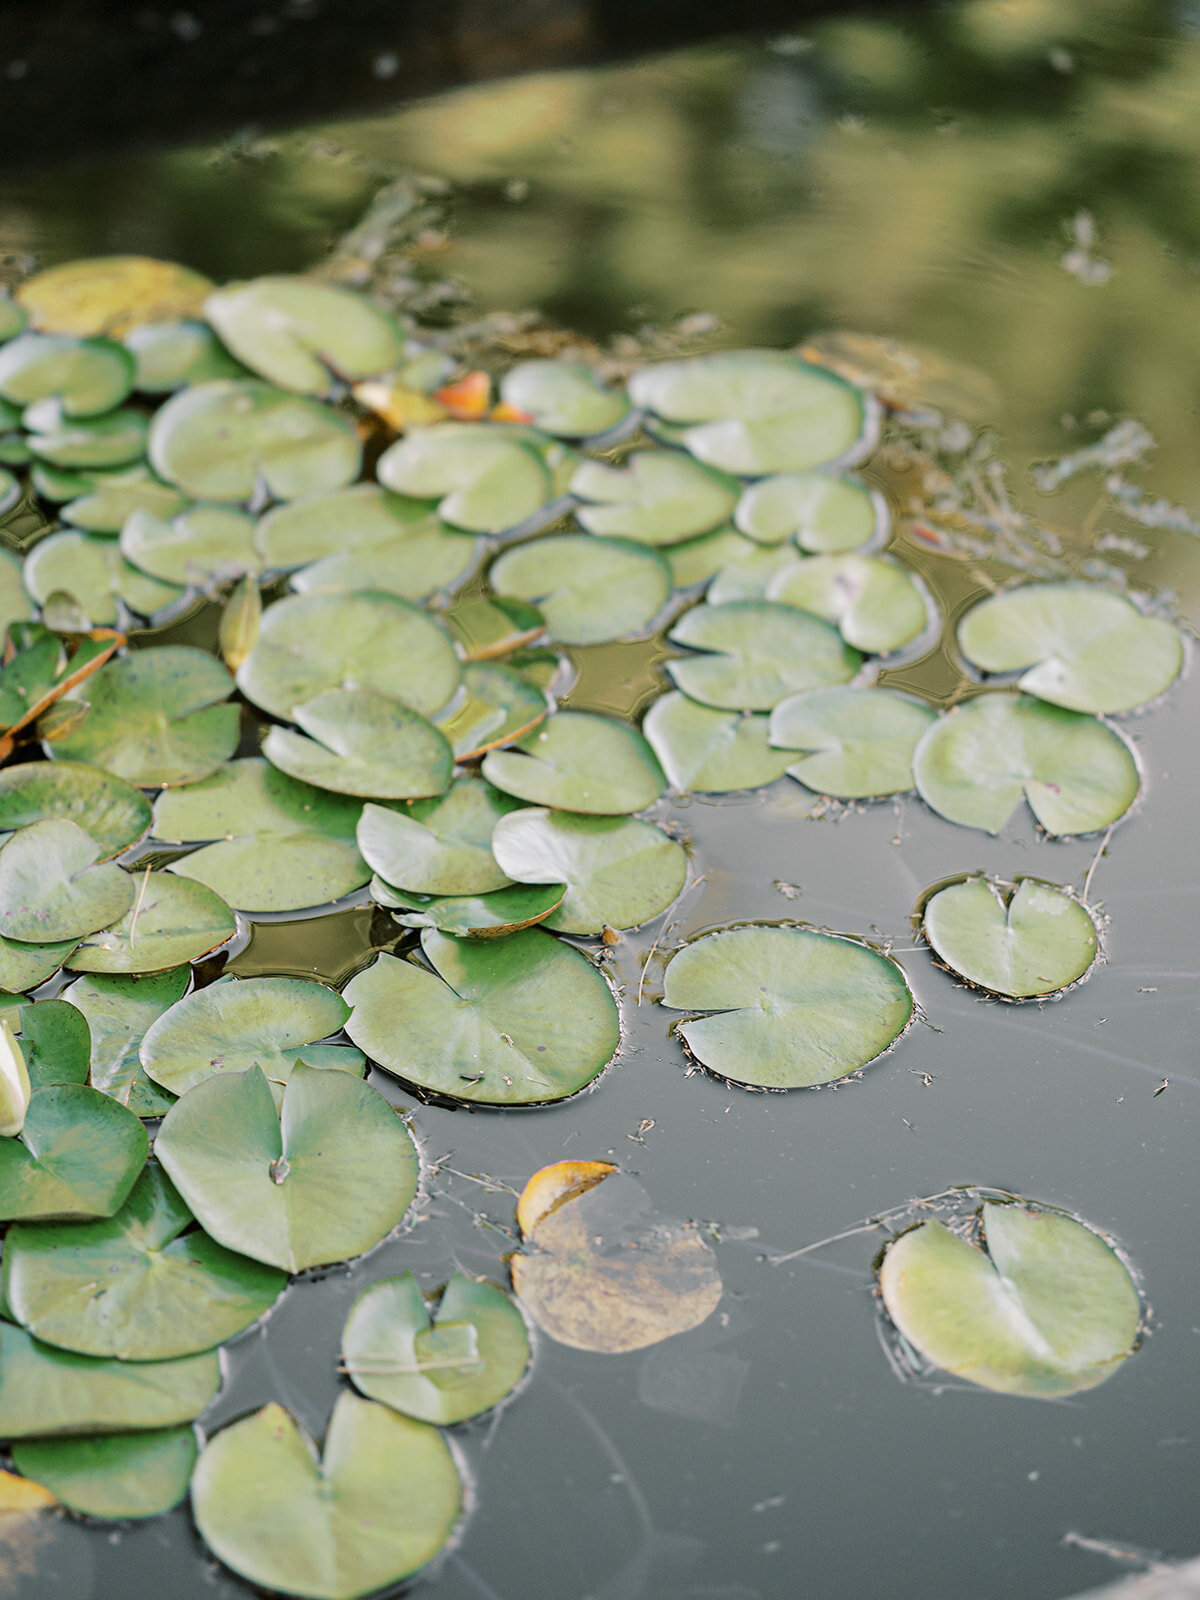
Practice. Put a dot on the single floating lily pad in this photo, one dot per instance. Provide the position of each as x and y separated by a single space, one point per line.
858 743
119 1477
363 743
514 1021
1041 1306
84 376
110 294
490 478
171 921
975 763
1018 940
657 497
340 538
821 513
438 847
78 1155
479 916
792 1008
563 397
709 751
202 546
94 573
497 706
589 590
119 1009
298 332
876 604
24 965
107 808
51 888
579 762
755 654
697 560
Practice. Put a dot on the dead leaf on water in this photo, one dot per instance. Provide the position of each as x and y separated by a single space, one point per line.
111 295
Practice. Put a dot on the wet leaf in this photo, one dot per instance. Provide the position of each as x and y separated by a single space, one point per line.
440 1364
489 476
85 376
78 1155
440 847
1084 648
110 294
112 811
201 547
697 560
113 440
974 765
94 573
606 1272
1041 1306
791 1007
589 590
119 1009
120 1477
171 920
171 355
362 743
711 751
1017 940
563 397
55 1042
113 496
486 626
876 603
821 513
619 872
514 1021
379 1506
51 888
241 622
23 965
579 762
750 576
169 1290
858 743
755 654
498 706
656 497
364 521
300 333
481 916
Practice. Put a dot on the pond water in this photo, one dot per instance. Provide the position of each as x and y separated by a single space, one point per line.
1013 187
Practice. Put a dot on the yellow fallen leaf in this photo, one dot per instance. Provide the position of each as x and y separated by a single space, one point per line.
549 1186
23 1495
397 405
111 294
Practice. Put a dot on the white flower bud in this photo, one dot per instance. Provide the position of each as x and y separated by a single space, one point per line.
14 1082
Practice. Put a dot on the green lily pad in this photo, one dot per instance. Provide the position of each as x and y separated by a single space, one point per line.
858 743
36 674
15 604
327 1182
1084 648
1040 1306
708 751
697 560
51 888
590 590
756 411
86 376
490 477
791 1008
231 1026
515 1021
10 491
619 872
755 654
111 497
354 521
144 1285
439 847
120 1477
478 916
172 920
975 763
656 497
95 574
299 332
203 546
750 576
563 397
23 965
364 743
440 1367
313 642
821 513
414 569
50 1393
78 1155
112 811
579 762
113 440
487 626
379 1506
119 1009
876 604
225 439
172 355
278 845
55 1042
59 484
154 717
498 705
1016 940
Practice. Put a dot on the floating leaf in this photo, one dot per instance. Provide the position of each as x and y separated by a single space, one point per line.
975 763
23 965
13 319
171 355
1017 940
51 888
606 1272
379 1506
876 604
155 717
136 1286
55 1042
441 1367
113 440
657 497
756 653
105 806
441 846
241 623
1040 1306
222 440
172 920
579 762
859 743
514 1021
480 916
486 626
110 294
619 872
363 743
490 475
119 1009
85 376
354 521
1085 649
563 397
78 1155
299 332
499 706
121 1476
15 1087
751 575
95 573
589 590
327 1183
792 1007
823 514
710 751
203 546
41 669
111 497
697 560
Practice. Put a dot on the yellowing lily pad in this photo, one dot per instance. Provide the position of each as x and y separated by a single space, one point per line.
110 294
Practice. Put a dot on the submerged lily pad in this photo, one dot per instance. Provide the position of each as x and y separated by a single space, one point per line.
119 1477
1016 940
656 497
711 751
792 1008
975 763
380 1504
1084 648
563 397
438 847
78 1155
107 808
1040 1306
755 654
514 1021
858 743
94 573
119 1010
202 546
487 626
477 916
498 706
172 920
490 477
589 590
110 294
171 355
876 604
84 376
440 1366
821 513
299 332
579 762
51 887
364 743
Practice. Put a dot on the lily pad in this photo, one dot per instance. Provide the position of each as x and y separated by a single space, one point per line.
563 397
498 705
756 411
231 1026
113 496
278 845
300 333
619 872
579 762
1041 1305
440 847
313 642
51 887
876 604
441 1366
792 1008
515 1021
119 1009
353 521
110 294
24 965
85 376
172 920
821 513
589 590
203 546
479 916
489 477
750 576
113 440
487 625
756 653
171 355
121 1476
414 568
95 574
378 1507
55 1042
697 560
975 763
363 743
1084 648
858 743
225 439
708 751
112 811
155 717
1016 940
656 497
78 1155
